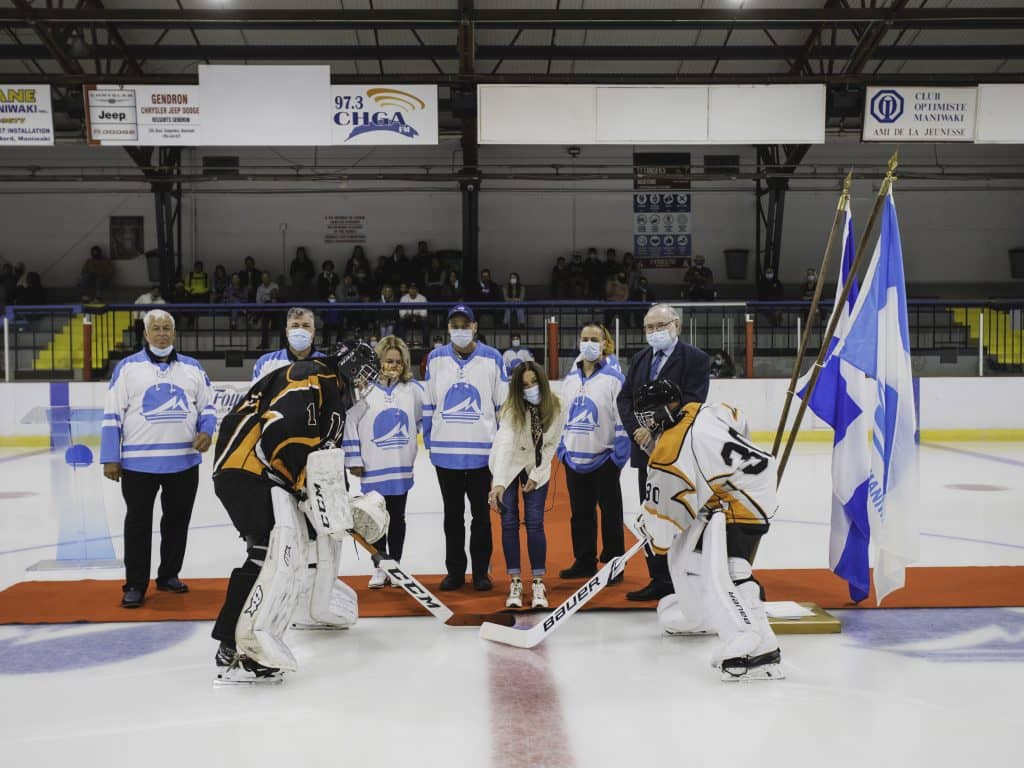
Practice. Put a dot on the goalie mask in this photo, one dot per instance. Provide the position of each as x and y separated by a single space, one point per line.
658 405
358 370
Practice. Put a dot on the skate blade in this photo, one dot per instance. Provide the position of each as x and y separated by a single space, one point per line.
319 627
226 679
688 632
753 674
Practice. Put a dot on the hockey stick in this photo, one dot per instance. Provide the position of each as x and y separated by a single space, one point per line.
528 638
424 596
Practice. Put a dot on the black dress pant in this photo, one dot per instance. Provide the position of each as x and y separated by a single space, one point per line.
456 486
393 542
586 491
177 496
657 565
247 500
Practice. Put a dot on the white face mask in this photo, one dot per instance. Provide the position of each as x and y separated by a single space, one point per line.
515 343
161 351
660 340
513 280
461 337
591 350
532 394
299 339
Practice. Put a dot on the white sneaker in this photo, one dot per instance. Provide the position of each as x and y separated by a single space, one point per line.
515 594
379 579
540 594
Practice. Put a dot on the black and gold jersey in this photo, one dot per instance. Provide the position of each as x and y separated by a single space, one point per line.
282 418
707 459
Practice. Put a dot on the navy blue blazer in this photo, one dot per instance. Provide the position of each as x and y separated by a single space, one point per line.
687 366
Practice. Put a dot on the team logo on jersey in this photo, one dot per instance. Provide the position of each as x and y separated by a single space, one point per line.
462 403
582 416
165 402
391 429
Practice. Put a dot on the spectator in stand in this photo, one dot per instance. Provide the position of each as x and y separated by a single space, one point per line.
220 283
593 275
488 289
384 274
413 318
179 296
515 292
250 278
357 261
333 322
452 290
402 267
327 281
268 292
611 264
515 355
433 279
235 293
699 282
33 292
810 284
420 262
363 282
150 297
768 286
97 275
387 319
722 366
561 280
616 291
577 274
641 293
301 271
197 286
8 284
347 291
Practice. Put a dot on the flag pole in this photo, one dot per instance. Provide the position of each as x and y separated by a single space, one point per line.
844 198
883 191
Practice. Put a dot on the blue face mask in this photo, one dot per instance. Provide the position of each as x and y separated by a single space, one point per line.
591 350
461 337
300 339
660 340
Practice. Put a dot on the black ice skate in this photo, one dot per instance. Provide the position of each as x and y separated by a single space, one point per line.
765 666
236 669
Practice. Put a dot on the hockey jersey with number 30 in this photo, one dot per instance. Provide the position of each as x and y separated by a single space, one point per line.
707 459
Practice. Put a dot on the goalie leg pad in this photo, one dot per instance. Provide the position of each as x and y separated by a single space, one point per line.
370 516
327 505
683 612
325 602
259 634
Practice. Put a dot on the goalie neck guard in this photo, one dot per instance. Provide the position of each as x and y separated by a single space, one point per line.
658 404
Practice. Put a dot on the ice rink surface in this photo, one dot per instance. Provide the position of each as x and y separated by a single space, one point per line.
896 688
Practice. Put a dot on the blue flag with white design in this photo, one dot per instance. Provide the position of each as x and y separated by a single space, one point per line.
877 342
844 399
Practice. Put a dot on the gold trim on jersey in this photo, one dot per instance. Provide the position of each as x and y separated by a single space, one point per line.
740 511
670 443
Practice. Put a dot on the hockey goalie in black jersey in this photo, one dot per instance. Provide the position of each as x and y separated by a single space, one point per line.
277 466
718 490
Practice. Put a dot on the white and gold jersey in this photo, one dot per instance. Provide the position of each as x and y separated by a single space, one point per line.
707 459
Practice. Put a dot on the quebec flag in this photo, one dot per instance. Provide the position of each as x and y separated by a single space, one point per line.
877 342
844 399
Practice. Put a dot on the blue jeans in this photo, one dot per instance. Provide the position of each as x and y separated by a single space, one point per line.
536 542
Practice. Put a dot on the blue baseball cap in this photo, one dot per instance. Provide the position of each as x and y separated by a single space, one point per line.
461 309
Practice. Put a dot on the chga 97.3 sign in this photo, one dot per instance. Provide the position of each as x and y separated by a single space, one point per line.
384 114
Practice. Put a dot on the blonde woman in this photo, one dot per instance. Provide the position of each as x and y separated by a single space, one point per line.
528 434
380 445
608 357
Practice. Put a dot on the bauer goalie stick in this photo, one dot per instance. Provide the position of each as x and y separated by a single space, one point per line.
424 596
528 638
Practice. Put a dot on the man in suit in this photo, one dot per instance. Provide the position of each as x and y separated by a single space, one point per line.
666 357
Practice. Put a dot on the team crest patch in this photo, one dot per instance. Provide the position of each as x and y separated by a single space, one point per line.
254 602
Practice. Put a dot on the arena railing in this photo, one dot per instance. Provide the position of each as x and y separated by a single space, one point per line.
49 342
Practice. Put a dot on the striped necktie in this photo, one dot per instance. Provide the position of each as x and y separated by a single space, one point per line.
656 363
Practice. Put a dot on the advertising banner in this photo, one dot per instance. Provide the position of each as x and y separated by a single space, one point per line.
923 113
26 115
142 115
399 115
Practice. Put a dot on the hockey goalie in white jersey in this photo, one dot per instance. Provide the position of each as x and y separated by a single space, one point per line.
707 478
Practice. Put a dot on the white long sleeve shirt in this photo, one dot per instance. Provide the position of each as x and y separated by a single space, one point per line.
382 440
514 452
153 411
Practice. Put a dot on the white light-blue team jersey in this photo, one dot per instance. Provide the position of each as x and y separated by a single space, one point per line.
462 398
593 432
383 439
514 356
279 358
153 412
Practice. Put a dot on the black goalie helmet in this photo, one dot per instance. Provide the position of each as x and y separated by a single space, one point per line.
358 369
652 405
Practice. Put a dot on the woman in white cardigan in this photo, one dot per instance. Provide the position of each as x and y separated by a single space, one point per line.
528 433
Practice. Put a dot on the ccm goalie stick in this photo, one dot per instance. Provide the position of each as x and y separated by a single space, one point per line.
425 597
528 638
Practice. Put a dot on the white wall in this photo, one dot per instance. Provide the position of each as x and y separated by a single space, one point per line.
949 237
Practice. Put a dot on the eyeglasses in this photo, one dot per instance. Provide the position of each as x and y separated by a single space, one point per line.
648 328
